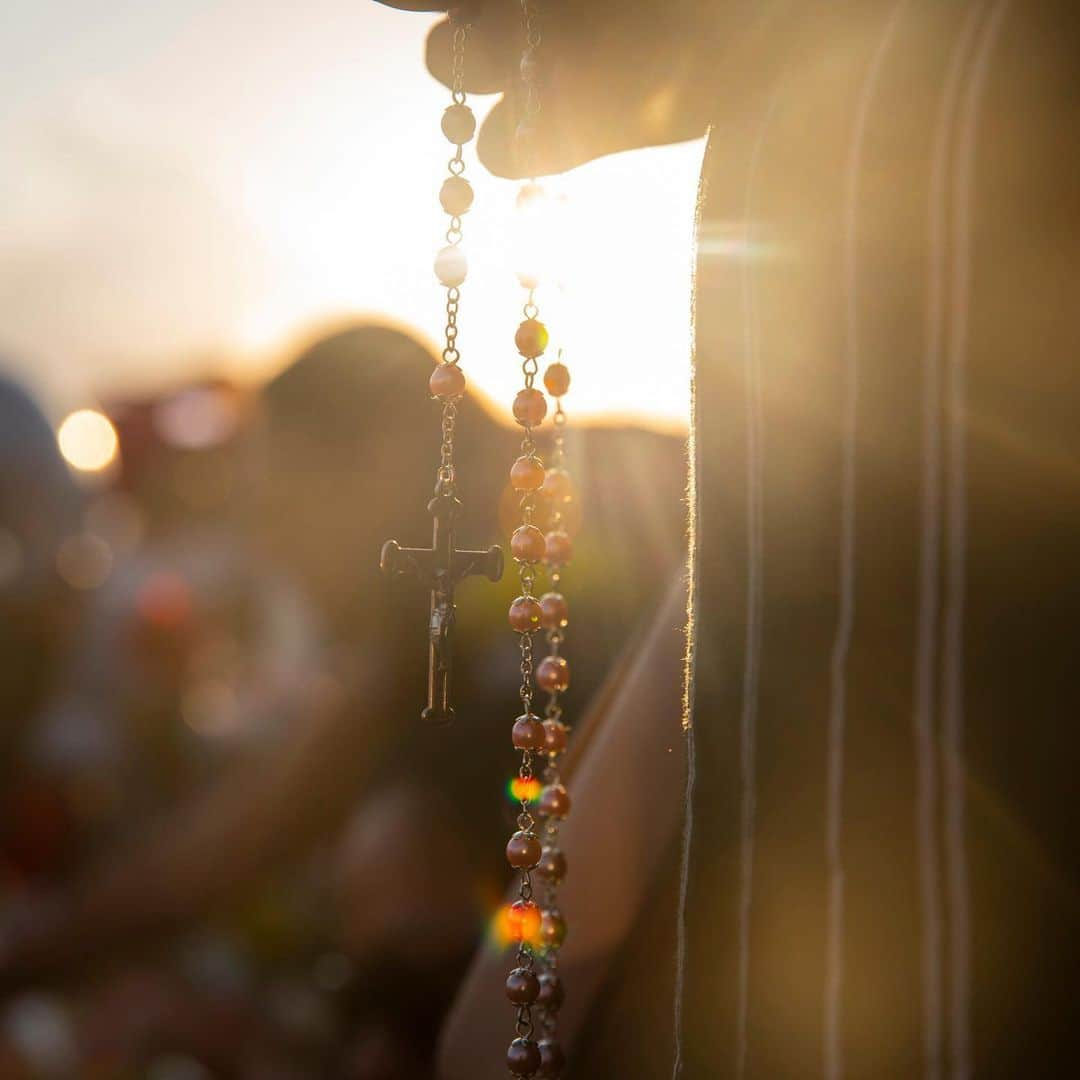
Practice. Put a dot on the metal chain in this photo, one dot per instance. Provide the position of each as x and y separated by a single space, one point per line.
530 105
457 60
553 715
524 1027
528 1056
451 355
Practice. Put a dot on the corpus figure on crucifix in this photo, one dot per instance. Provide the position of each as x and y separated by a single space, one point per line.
441 567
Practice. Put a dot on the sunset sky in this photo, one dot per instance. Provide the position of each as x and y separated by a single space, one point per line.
193 187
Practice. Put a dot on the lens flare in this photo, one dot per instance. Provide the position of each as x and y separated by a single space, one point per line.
518 789
514 924
87 440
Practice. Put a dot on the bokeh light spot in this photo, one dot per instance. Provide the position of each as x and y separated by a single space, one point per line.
510 927
518 789
87 440
84 561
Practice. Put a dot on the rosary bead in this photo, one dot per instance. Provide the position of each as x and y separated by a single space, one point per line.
554 737
523 1057
451 266
557 379
522 986
552 928
523 852
552 1058
528 734
554 801
554 611
531 338
558 548
552 864
525 614
557 486
456 195
527 544
459 124
552 993
447 381
523 922
530 407
527 474
553 673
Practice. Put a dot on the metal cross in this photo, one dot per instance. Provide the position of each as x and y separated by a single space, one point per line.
440 567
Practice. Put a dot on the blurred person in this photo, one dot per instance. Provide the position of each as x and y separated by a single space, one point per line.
330 736
882 876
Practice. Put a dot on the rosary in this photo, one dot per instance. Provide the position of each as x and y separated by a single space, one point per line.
536 929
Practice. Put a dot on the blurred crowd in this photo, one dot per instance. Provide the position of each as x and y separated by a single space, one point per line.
228 848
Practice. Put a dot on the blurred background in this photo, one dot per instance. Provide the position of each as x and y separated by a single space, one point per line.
219 811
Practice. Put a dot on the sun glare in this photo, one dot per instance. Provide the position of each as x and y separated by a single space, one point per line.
87 440
611 244
310 200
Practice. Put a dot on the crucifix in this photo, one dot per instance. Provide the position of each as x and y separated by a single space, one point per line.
440 567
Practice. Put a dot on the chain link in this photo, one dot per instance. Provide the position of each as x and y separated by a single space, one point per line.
445 474
457 61
547 1018
526 953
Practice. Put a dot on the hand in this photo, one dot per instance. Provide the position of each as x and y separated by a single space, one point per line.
612 76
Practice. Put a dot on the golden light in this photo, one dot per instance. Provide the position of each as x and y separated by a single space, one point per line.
87 440
611 243
325 215
515 923
518 789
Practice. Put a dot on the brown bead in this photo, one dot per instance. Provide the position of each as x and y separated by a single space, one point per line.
527 474
531 338
554 737
552 994
447 381
558 548
552 864
528 734
552 928
458 124
523 851
553 673
552 1059
456 195
525 614
527 544
523 1057
523 921
554 802
530 407
557 486
522 986
557 379
554 611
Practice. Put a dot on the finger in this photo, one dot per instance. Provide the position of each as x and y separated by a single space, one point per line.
414 5
562 139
